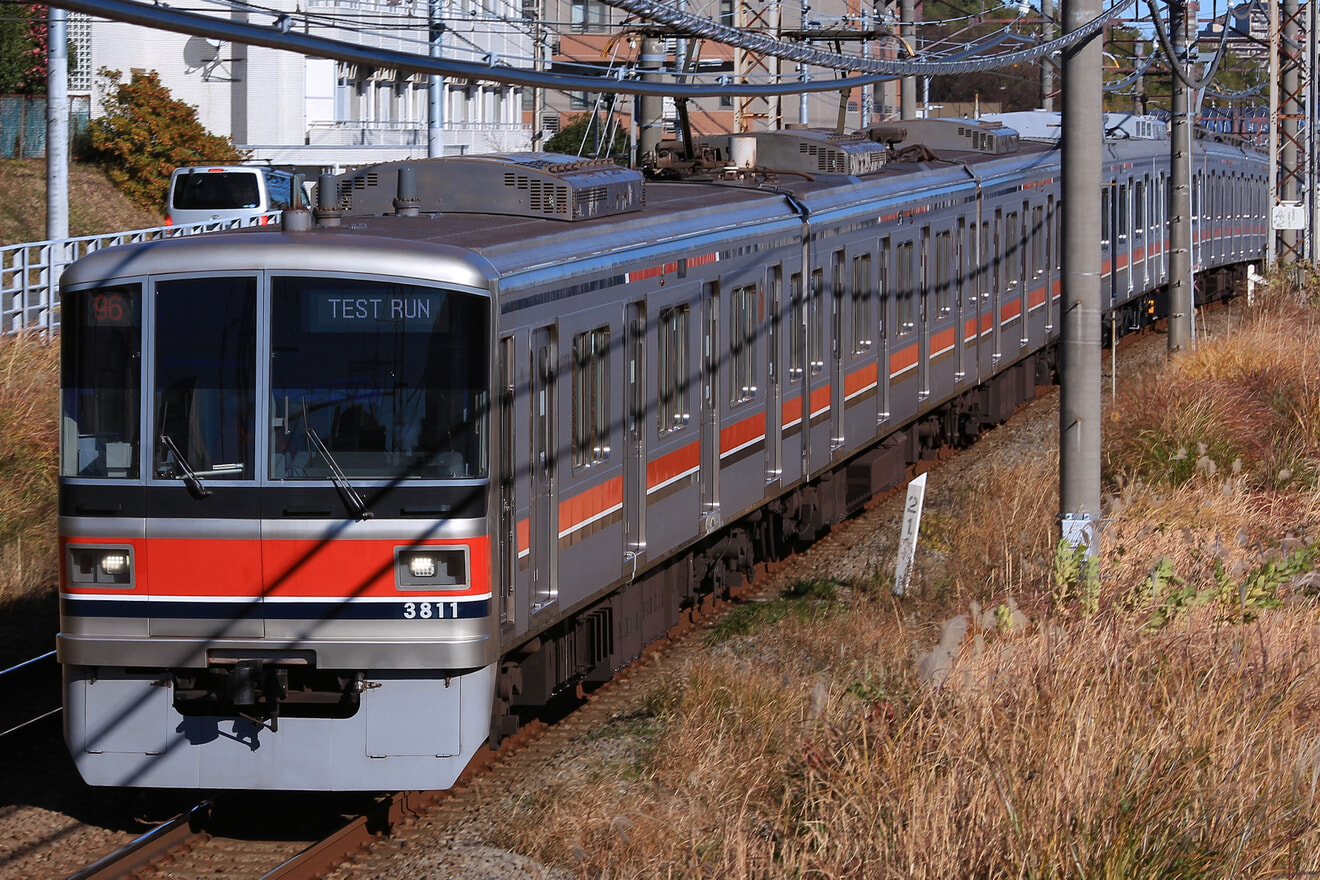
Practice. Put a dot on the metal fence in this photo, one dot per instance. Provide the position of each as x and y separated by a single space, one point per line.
23 123
30 273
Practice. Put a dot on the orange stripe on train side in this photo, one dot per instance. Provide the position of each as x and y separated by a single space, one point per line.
742 432
820 399
860 379
791 411
589 504
942 341
670 465
903 359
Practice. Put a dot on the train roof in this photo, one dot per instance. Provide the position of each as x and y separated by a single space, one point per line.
620 214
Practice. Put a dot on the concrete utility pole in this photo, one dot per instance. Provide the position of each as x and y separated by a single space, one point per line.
1180 207
57 124
652 123
907 29
1046 63
435 84
1079 344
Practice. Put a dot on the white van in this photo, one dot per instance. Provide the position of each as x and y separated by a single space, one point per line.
202 193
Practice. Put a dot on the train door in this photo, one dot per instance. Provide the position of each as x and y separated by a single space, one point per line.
508 553
710 407
883 307
544 520
796 407
925 314
634 464
838 289
774 413
996 266
817 386
959 298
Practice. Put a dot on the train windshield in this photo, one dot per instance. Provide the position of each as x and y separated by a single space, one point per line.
377 380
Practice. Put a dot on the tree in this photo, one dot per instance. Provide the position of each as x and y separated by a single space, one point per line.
582 136
145 134
22 49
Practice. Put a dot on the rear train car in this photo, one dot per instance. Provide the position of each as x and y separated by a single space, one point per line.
336 500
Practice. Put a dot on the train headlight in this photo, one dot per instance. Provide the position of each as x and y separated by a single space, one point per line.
421 565
100 566
114 564
431 568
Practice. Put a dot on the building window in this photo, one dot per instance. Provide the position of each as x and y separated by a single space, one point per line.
672 410
591 397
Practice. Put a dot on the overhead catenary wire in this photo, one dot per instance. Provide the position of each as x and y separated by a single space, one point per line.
281 34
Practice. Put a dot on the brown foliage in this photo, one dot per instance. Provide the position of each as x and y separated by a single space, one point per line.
145 134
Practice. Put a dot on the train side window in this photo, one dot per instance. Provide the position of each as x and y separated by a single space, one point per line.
1139 208
1122 212
1037 241
1105 219
1013 260
591 397
903 293
861 304
672 395
797 356
943 277
817 351
742 344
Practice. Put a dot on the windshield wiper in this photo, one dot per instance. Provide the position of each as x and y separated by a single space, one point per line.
190 478
350 495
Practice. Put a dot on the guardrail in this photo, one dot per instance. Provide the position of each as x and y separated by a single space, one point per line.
30 272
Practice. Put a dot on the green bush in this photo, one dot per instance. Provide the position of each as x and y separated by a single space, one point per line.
145 134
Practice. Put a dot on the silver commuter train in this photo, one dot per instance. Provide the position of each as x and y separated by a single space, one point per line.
335 501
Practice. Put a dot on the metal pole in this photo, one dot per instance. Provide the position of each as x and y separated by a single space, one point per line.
653 107
1291 124
1271 240
907 15
435 84
57 125
1180 208
1046 63
1080 373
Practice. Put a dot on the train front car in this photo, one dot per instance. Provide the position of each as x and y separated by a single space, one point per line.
274 491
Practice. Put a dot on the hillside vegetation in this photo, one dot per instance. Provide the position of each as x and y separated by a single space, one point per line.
95 205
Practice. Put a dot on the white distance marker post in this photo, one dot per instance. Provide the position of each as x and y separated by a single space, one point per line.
907 545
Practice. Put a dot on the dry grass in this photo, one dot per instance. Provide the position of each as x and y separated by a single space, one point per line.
29 384
95 206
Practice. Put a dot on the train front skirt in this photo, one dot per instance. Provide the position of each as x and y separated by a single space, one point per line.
413 730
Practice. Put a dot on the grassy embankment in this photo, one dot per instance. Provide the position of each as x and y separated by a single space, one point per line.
95 206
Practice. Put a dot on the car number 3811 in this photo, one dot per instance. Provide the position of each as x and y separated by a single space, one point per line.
429 610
